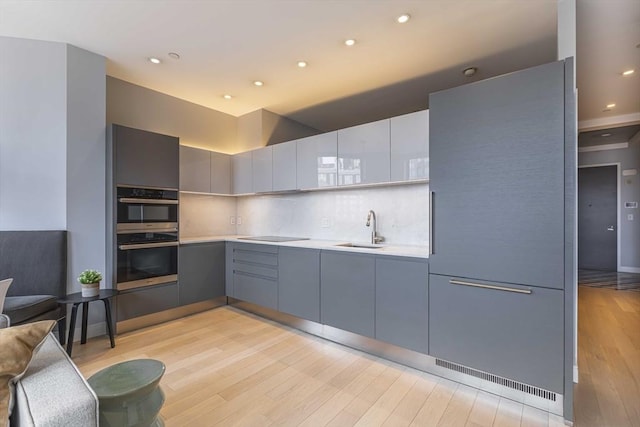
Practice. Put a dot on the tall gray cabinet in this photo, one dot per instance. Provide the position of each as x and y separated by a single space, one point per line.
144 159
501 189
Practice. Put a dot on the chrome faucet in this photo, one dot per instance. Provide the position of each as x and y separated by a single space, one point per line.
374 232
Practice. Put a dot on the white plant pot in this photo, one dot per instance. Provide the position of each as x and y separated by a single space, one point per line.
91 289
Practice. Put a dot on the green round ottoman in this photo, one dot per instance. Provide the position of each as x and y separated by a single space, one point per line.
129 393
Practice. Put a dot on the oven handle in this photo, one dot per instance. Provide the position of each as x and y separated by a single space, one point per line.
147 245
148 201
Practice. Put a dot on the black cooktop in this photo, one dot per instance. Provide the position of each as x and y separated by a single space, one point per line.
273 238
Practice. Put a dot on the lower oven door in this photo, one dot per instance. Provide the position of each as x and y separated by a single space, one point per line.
146 264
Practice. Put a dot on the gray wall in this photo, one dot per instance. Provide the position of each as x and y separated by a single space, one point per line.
262 127
86 159
195 125
629 158
32 135
276 128
52 148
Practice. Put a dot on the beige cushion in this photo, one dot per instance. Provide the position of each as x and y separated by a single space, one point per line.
4 287
18 345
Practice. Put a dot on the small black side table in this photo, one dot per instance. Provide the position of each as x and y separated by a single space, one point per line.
76 299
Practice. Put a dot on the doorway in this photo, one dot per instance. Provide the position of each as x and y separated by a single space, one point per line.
598 218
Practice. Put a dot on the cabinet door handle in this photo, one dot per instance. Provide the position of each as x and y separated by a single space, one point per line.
431 223
494 287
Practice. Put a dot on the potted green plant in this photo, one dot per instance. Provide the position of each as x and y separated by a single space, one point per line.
90 282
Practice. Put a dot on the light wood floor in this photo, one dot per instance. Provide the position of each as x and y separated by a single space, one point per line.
227 367
608 392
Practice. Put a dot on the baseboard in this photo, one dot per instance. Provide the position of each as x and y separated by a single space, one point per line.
629 270
93 330
575 374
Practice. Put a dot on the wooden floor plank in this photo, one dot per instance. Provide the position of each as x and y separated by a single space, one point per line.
228 367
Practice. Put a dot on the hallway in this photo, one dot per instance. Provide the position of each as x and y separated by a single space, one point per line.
608 392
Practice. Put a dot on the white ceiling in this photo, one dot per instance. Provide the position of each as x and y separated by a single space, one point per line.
226 44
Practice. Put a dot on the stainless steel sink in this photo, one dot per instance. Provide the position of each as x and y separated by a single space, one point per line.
360 245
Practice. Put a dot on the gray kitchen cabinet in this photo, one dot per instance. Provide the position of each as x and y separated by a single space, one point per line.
299 282
364 153
347 297
316 161
228 269
262 164
284 166
201 272
402 302
144 159
255 273
515 335
195 169
221 173
410 146
497 152
242 173
148 300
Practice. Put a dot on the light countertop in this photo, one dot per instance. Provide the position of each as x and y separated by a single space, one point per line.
391 249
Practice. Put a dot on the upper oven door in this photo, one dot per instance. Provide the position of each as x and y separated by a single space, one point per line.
147 209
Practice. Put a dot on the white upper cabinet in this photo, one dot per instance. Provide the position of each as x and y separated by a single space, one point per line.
221 174
195 170
284 166
363 154
316 161
410 147
242 173
262 161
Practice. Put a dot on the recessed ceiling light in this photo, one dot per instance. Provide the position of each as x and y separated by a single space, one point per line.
611 105
154 60
173 55
403 18
628 72
227 96
350 42
258 83
302 64
606 134
469 71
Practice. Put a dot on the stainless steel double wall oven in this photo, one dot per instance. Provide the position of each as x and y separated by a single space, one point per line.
147 237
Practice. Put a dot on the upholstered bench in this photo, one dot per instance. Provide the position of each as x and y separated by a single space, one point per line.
37 262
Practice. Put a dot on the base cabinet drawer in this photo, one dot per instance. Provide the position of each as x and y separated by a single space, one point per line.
256 290
514 335
143 301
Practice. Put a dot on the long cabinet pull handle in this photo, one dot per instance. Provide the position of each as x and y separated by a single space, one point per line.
494 287
148 201
131 246
430 222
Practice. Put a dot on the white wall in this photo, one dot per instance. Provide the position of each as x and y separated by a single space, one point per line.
629 158
402 213
33 120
